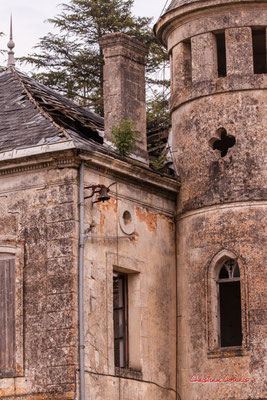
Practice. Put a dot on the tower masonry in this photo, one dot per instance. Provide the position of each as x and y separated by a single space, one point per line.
219 120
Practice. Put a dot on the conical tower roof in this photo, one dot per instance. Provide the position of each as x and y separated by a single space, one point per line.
179 3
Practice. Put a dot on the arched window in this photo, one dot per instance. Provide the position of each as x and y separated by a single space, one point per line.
229 307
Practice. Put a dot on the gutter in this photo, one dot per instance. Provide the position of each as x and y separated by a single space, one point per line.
36 150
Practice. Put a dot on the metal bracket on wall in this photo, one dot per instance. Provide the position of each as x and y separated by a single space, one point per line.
86 237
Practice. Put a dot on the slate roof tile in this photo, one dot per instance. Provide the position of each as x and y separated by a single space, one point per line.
31 113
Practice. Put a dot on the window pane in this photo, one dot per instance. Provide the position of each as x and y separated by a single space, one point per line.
116 324
120 319
221 54
230 314
115 292
259 51
223 273
121 323
117 353
229 270
236 272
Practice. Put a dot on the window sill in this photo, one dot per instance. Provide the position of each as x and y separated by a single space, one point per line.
222 352
128 373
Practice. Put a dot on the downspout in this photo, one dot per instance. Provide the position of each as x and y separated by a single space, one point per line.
176 292
81 279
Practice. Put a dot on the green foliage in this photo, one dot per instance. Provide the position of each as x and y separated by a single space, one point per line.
158 154
159 162
158 115
124 136
71 60
2 52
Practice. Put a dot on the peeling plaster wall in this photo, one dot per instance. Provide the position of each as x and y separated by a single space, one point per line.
149 258
38 215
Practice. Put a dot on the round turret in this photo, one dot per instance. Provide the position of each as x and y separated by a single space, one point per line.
219 127
218 66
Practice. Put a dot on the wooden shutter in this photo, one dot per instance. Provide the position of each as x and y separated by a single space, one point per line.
7 317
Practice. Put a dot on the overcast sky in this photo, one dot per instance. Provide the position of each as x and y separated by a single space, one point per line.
29 17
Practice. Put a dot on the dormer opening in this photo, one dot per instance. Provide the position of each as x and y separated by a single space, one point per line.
259 51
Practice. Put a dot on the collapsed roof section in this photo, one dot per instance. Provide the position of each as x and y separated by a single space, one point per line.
32 114
35 116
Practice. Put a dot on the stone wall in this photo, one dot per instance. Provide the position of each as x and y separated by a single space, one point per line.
149 261
39 219
205 235
222 202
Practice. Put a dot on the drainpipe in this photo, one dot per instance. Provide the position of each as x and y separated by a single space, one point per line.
81 279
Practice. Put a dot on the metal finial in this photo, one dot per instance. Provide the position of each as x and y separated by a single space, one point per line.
11 45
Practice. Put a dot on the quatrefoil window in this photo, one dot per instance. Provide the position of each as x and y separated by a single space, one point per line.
222 142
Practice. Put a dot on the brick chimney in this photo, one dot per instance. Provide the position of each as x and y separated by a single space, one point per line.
124 86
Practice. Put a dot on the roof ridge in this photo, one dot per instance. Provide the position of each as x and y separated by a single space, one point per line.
62 131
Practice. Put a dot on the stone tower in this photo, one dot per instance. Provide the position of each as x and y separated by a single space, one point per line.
219 117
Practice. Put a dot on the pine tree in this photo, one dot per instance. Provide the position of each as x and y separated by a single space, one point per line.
72 62
2 52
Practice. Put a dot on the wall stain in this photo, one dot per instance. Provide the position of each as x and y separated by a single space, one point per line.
149 218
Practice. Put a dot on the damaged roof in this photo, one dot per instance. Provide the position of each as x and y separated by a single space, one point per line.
33 114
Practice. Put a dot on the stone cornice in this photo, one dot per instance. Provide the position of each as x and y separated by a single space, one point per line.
36 163
188 12
130 171
135 172
229 84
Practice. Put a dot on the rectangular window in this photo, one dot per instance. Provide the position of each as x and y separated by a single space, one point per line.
120 319
7 317
187 61
221 54
259 51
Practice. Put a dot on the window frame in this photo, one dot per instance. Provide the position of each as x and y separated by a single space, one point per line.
212 302
133 269
16 252
220 281
124 338
221 54
258 56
